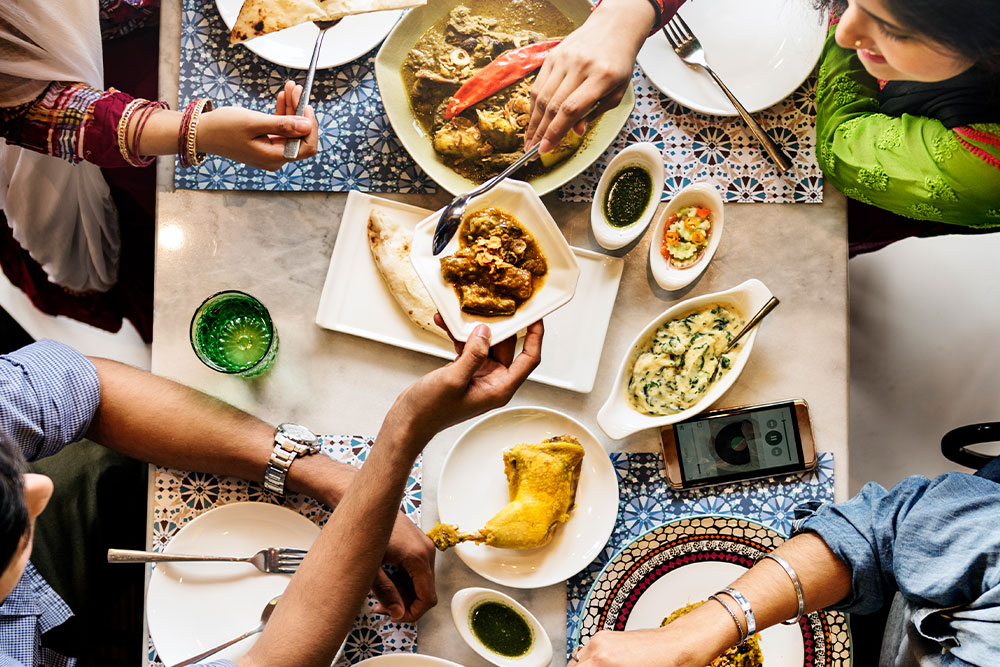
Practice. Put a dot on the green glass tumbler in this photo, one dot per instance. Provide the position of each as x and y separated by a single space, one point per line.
232 332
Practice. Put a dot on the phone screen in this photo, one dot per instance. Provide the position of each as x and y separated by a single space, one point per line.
741 444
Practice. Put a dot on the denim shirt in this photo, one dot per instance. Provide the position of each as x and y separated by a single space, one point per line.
936 542
49 393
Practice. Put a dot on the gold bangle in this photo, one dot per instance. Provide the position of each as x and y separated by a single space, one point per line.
191 155
123 123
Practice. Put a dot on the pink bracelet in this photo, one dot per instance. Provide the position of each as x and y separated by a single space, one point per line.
187 135
141 116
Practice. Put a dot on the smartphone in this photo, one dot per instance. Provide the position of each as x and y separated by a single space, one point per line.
746 442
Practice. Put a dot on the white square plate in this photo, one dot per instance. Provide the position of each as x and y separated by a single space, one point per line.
356 301
558 285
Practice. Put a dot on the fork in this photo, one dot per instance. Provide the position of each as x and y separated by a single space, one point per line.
292 145
271 560
687 46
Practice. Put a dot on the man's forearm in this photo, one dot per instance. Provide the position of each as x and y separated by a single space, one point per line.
156 420
320 602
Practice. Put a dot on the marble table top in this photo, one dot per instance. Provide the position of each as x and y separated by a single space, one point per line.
277 246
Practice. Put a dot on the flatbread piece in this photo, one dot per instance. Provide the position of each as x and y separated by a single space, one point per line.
390 245
260 17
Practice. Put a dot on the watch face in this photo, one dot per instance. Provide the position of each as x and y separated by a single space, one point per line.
299 434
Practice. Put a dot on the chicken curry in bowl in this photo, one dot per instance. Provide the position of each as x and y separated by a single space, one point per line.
486 47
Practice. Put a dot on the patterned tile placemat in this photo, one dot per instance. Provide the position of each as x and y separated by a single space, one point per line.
179 497
719 150
645 502
360 151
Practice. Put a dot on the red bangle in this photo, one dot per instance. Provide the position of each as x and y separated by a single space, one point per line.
187 134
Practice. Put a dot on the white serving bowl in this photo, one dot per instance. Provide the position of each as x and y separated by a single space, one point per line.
647 156
558 286
670 277
461 607
618 420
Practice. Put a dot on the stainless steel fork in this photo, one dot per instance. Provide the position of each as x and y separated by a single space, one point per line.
272 560
687 46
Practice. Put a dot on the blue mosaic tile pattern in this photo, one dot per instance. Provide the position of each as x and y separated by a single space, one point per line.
645 502
180 496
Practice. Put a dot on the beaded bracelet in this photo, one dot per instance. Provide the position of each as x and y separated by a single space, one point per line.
745 606
739 626
187 136
799 597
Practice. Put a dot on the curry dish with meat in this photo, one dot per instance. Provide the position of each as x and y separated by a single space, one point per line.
485 138
498 265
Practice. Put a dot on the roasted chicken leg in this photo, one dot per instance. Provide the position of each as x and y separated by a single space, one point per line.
541 481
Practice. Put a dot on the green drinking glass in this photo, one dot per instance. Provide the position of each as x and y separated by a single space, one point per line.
232 332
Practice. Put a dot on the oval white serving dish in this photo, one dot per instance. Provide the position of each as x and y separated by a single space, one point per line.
647 156
618 420
666 275
461 607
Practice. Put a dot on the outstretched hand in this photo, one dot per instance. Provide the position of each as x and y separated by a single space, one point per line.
258 139
480 379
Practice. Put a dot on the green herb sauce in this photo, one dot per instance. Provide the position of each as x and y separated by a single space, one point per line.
501 629
627 196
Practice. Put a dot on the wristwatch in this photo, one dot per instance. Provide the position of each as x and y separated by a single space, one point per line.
290 440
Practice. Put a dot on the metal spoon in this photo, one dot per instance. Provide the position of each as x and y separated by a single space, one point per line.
754 321
451 216
292 145
264 617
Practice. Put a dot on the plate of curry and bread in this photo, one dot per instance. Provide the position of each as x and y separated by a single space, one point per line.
527 497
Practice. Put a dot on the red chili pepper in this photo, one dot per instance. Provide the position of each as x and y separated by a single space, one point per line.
505 70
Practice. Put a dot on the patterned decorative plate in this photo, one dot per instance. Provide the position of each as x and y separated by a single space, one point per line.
685 561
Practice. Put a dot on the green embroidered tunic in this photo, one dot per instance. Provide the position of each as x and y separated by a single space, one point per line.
910 165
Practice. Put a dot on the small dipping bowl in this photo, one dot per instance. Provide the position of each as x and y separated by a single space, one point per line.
666 275
647 157
464 604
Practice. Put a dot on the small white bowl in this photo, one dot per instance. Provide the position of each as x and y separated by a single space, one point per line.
670 277
461 609
558 285
644 155
618 420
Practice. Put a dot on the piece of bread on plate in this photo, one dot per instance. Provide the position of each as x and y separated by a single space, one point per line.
260 17
390 245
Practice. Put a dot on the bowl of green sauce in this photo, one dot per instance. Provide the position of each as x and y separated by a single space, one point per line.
627 195
500 629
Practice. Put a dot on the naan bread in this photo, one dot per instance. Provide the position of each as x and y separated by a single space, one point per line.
260 17
390 246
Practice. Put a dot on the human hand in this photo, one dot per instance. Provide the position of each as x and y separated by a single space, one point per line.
410 593
480 379
258 139
625 649
593 65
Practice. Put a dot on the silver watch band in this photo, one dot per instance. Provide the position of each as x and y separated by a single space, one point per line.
277 469
290 441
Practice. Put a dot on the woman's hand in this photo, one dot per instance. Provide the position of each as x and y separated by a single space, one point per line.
593 65
649 648
258 139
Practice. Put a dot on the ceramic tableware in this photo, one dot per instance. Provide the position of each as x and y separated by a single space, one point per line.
647 157
667 275
462 606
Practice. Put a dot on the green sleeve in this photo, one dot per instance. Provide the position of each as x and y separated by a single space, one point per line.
910 165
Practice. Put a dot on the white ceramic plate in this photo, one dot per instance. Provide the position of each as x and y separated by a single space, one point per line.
762 49
685 561
618 420
292 47
191 607
406 660
462 604
558 285
473 488
665 274
355 301
647 156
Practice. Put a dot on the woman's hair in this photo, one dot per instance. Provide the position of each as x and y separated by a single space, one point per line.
13 509
970 28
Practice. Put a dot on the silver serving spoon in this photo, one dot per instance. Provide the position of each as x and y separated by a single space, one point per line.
264 617
754 321
451 216
292 145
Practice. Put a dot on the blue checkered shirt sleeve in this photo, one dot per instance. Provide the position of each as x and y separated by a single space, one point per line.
49 393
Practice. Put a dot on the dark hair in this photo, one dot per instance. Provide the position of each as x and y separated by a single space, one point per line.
970 28
13 509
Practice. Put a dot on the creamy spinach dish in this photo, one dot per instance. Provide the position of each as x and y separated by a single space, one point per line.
674 369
